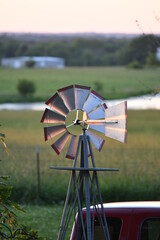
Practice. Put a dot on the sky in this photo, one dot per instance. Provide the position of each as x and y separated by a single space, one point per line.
76 16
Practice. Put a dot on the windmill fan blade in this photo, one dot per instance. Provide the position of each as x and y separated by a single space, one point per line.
56 103
50 132
60 143
98 113
81 94
97 141
52 117
67 94
98 128
93 101
117 130
71 153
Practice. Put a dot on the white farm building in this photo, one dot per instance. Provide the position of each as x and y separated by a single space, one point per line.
39 62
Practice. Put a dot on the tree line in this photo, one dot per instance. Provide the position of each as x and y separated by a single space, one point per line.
86 51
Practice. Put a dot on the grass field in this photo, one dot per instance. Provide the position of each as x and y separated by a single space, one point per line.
117 82
44 218
138 160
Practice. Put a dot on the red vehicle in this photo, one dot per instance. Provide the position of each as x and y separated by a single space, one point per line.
129 221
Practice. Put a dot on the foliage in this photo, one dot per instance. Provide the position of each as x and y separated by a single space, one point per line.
98 86
151 60
9 226
135 65
139 48
30 63
76 51
26 87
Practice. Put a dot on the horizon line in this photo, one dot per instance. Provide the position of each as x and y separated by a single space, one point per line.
76 33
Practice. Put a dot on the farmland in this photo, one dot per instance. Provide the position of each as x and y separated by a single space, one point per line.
138 160
116 82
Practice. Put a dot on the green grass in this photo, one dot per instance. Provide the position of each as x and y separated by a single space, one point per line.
45 219
117 82
138 160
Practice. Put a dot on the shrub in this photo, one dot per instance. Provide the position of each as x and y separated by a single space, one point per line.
10 228
135 65
26 87
151 60
30 64
98 86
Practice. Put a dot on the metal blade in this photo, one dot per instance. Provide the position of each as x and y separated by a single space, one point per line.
98 128
81 94
93 101
50 132
71 153
56 103
52 117
98 113
117 131
60 143
97 141
67 94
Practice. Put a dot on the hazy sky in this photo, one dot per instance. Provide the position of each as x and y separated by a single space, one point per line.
57 16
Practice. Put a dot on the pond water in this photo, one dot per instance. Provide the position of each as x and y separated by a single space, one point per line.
133 103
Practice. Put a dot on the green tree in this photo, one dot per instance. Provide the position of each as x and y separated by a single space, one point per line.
151 60
26 87
30 64
139 48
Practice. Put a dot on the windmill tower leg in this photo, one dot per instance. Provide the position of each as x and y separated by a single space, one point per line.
84 184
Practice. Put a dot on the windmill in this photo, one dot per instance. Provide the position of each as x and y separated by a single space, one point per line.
80 114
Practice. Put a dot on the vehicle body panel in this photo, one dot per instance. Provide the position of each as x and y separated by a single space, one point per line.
132 215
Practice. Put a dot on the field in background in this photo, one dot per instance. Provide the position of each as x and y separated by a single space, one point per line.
116 82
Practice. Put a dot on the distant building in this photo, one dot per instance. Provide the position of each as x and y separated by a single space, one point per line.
158 54
38 62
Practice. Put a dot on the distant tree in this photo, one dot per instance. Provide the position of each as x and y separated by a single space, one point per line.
30 63
139 48
151 60
26 87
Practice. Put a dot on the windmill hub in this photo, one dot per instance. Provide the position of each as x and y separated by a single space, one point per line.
77 122
75 110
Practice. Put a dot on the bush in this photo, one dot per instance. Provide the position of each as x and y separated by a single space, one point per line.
10 228
98 86
30 64
151 60
135 65
26 87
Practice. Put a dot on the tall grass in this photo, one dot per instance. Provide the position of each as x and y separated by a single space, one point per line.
138 160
